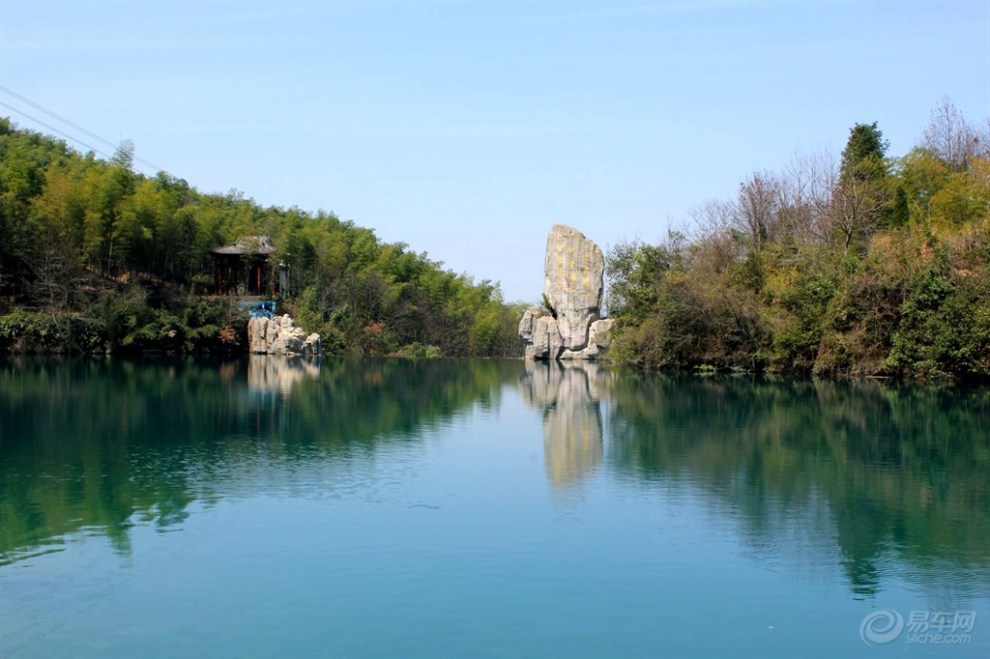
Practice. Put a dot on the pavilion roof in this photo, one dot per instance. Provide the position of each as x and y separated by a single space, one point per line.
253 245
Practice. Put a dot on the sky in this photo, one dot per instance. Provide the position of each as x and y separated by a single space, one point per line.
467 129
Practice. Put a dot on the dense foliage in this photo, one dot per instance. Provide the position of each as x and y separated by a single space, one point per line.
94 257
873 266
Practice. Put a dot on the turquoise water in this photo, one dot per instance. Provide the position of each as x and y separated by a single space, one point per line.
275 508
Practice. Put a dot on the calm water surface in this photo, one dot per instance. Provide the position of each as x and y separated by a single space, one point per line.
274 508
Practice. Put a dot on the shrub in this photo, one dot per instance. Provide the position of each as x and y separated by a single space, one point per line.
418 351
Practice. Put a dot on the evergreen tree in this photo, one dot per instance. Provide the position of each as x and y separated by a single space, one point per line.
864 199
865 153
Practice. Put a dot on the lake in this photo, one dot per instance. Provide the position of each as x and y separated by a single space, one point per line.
269 507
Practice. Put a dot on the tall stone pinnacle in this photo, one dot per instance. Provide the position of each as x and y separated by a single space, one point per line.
572 286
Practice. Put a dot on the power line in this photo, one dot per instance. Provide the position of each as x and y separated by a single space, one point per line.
56 116
73 125
52 128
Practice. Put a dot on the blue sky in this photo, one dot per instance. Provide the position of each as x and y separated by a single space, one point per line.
466 129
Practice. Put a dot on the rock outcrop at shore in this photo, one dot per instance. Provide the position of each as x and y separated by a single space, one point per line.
279 336
569 326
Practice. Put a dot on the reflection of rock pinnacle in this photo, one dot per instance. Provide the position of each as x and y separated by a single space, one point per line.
572 423
572 443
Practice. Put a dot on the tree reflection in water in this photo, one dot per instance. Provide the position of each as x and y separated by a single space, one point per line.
868 474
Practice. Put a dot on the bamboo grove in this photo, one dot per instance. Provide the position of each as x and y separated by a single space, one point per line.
95 257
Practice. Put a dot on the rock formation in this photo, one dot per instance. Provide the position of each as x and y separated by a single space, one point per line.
279 336
570 328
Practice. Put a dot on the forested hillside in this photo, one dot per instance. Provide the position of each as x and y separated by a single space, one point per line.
862 265
869 265
96 257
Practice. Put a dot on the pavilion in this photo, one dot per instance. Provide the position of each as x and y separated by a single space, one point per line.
244 268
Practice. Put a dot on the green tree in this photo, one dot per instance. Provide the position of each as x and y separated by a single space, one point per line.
863 200
110 189
864 154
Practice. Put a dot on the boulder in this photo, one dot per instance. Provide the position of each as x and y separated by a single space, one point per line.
279 336
527 326
600 333
546 342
